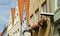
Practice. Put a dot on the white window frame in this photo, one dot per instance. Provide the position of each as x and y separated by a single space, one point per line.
32 21
37 15
56 5
44 6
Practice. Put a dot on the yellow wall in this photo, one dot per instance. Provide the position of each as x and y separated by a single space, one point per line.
48 5
46 32
34 4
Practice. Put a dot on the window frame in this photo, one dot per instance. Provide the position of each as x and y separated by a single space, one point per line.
31 20
56 5
44 6
37 14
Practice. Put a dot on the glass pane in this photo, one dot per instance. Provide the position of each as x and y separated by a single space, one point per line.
37 16
58 3
44 6
31 21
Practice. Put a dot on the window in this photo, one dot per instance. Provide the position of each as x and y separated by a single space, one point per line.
44 6
8 35
31 20
15 17
25 18
23 21
15 31
57 4
17 14
16 22
18 29
37 14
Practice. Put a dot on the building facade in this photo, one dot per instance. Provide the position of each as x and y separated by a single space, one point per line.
27 18
14 29
9 28
55 8
15 22
45 8
24 21
36 7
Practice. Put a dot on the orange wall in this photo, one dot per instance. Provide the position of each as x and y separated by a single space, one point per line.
12 13
21 7
27 2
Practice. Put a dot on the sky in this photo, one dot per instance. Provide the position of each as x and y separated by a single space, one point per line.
5 6
3 20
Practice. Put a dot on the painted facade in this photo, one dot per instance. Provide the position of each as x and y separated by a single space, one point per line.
55 8
36 7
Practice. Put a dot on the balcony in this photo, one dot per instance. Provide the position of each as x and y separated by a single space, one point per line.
42 22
